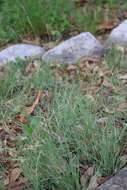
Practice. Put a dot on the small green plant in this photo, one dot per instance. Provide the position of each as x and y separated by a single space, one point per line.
29 128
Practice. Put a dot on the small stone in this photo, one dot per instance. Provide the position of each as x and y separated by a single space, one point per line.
21 51
74 49
118 35
117 182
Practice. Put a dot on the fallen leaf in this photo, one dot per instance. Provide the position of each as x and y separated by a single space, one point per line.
50 45
90 97
90 171
122 107
83 168
2 71
14 175
71 68
109 85
107 110
80 3
120 49
125 14
93 183
101 180
29 68
106 26
22 119
6 181
119 122
30 40
93 90
20 184
84 180
30 109
123 160
123 77
102 121
86 175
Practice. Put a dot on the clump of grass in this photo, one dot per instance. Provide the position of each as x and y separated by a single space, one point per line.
15 86
64 131
69 137
31 19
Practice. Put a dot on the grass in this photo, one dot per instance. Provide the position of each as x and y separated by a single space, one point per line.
64 132
30 19
78 123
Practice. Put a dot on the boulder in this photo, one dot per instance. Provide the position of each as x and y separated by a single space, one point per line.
118 35
74 49
21 51
117 182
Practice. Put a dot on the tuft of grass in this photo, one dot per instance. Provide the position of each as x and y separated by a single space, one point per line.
64 132
30 19
66 139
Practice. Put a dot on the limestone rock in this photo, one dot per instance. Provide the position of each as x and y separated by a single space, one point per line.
74 49
20 51
117 182
118 35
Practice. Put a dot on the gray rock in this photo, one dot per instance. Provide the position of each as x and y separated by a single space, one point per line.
20 51
118 35
74 49
117 182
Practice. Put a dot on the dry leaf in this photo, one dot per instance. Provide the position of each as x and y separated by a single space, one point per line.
108 85
80 3
122 107
30 68
21 119
19 185
6 181
90 97
87 174
30 110
93 90
106 26
120 49
71 68
90 171
101 180
107 110
30 40
93 183
123 160
102 121
125 14
14 175
123 77
50 45
84 180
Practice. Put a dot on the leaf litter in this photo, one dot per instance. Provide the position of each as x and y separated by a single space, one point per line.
85 69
